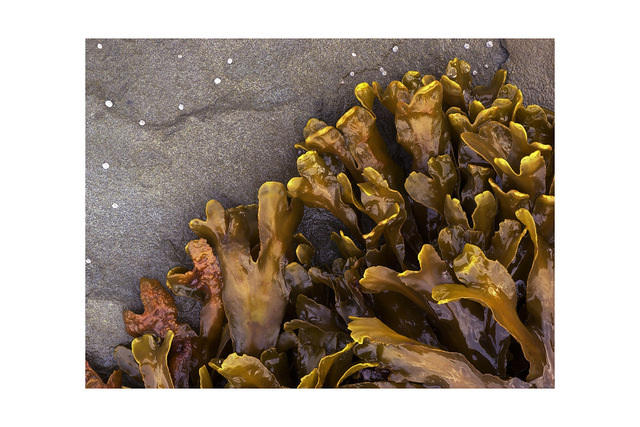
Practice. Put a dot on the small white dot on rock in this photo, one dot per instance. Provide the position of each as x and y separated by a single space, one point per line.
466 46
352 74
395 48
179 56
229 61
114 206
475 73
341 82
105 165
141 122
353 54
180 107
489 43
486 65
99 46
384 73
217 81
88 261
108 103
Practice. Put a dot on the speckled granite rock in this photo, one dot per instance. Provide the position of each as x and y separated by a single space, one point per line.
171 124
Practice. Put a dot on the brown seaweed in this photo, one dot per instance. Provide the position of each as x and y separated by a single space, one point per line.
445 276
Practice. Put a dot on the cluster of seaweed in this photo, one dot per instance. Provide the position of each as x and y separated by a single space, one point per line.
446 273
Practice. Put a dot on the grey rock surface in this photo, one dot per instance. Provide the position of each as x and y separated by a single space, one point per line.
171 124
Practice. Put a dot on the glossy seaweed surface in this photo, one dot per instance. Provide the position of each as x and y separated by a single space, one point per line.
446 273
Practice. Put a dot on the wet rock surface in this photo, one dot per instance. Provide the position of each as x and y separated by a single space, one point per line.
171 124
